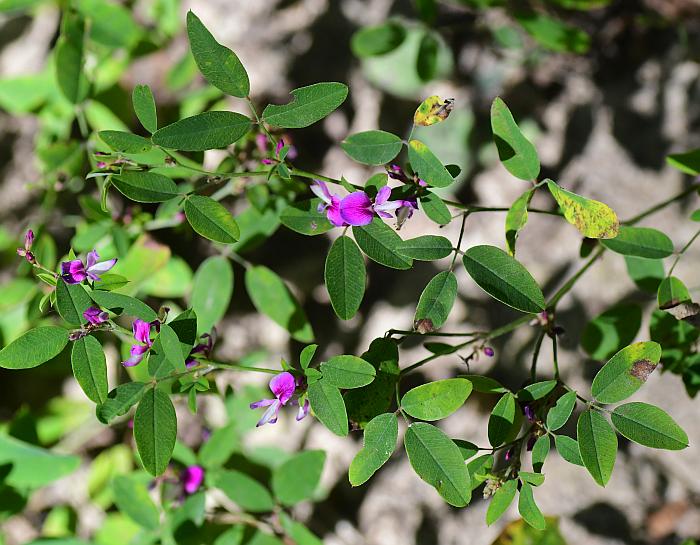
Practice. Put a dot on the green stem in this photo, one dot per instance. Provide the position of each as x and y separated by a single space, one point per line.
566 288
465 215
555 357
680 254
535 355
663 204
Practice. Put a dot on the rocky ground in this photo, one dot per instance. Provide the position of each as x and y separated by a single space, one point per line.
603 124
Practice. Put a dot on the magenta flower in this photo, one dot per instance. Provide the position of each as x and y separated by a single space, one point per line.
330 204
142 333
204 347
26 251
358 209
74 272
283 386
192 478
95 316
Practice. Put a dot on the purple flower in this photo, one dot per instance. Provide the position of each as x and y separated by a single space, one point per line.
488 351
283 387
330 204
529 412
192 478
279 147
95 316
203 348
261 142
142 333
74 272
358 209
25 252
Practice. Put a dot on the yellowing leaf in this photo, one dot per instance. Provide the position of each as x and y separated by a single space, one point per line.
433 110
593 219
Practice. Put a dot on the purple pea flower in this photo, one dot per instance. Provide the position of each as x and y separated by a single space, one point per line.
95 316
488 351
192 478
74 271
142 333
358 209
283 387
26 251
529 412
330 204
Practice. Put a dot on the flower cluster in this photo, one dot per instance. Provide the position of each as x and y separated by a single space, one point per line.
287 390
75 271
358 208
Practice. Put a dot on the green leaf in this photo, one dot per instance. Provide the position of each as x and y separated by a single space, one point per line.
172 350
142 186
486 385
245 491
69 58
155 430
688 162
516 218
568 448
612 330
34 347
132 499
427 166
220 446
211 292
538 390
466 448
528 508
90 368
271 296
427 58
647 274
307 355
380 438
593 219
426 248
119 401
516 152
365 403
125 142
435 208
208 130
437 460
328 406
672 292
640 242
372 147
554 34
381 244
436 400
649 426
504 278
210 219
377 40
540 451
347 372
561 412
501 500
310 104
218 64
71 301
535 479
145 107
345 277
304 217
297 478
626 372
597 445
30 467
123 304
502 420
436 301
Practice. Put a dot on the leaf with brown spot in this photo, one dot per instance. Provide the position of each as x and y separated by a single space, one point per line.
671 293
626 372
433 110
593 219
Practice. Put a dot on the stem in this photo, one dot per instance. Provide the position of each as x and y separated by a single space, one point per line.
465 215
683 250
663 204
260 123
566 288
239 367
555 357
434 334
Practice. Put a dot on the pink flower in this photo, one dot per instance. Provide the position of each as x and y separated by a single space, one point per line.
192 478
283 386
95 316
142 333
25 252
74 272
358 209
331 203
